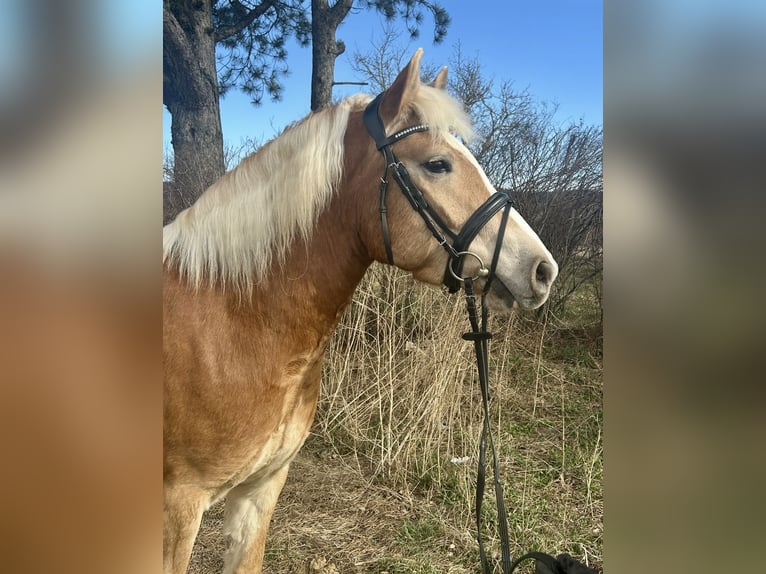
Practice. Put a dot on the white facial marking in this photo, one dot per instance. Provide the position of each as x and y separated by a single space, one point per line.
522 248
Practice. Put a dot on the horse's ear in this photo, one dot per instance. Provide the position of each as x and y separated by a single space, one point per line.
402 91
440 81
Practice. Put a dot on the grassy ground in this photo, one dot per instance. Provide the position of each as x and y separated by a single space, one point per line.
385 482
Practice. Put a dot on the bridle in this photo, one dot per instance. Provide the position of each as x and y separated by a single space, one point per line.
455 244
457 251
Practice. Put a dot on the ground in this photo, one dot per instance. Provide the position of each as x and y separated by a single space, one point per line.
331 519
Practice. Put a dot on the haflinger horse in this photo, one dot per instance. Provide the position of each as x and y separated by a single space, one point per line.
258 271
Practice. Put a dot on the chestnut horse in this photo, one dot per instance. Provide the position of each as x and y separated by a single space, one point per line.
258 271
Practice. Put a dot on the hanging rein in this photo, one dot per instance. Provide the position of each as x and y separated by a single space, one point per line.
456 245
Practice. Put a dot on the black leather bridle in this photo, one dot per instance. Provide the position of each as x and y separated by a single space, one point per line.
455 244
457 251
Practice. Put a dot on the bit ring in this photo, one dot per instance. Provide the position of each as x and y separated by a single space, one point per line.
482 272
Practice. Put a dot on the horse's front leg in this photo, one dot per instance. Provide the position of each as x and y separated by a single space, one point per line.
183 510
246 521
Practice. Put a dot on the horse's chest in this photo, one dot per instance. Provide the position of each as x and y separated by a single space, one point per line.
296 405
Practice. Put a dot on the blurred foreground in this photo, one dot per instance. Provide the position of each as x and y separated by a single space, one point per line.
80 213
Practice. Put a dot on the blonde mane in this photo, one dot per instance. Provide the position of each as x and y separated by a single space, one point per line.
252 215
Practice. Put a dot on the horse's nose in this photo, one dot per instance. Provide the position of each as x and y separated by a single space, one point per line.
544 273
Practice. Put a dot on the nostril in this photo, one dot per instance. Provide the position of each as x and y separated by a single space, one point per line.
544 273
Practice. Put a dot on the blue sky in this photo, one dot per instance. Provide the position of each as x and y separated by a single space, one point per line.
553 48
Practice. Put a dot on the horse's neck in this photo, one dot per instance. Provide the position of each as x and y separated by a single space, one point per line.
319 276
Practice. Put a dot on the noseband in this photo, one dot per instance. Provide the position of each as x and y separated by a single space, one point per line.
455 244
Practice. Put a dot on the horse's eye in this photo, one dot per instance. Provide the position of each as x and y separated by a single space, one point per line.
438 166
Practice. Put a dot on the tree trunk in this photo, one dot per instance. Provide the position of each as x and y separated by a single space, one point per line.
325 48
190 93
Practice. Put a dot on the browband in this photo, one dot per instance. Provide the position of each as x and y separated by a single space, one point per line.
377 130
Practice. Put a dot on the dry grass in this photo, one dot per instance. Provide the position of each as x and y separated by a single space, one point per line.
376 489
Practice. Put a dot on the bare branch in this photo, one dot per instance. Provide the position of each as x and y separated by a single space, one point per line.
246 19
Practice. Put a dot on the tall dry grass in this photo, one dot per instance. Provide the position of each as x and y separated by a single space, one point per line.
396 374
400 393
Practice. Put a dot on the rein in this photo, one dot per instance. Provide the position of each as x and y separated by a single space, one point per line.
479 335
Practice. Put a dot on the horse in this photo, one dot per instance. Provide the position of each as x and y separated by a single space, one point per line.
257 272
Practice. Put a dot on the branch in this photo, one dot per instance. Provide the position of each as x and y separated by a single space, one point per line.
245 21
173 35
339 11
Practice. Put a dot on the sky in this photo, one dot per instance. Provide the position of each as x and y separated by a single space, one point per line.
552 48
